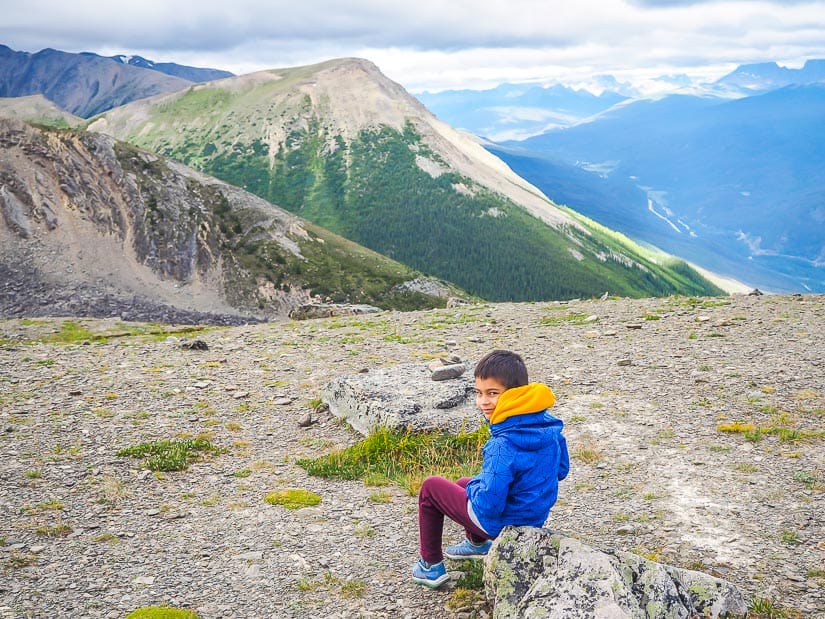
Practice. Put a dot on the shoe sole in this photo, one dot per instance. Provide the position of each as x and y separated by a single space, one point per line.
432 584
462 557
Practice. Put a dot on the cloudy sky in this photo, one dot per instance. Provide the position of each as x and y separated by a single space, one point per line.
435 44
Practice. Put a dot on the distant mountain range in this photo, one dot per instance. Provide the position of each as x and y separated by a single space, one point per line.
516 111
755 78
736 186
729 174
519 111
87 84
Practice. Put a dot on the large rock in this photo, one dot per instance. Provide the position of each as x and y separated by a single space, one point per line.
404 397
532 573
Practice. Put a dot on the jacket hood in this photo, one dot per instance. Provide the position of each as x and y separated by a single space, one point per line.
524 419
531 398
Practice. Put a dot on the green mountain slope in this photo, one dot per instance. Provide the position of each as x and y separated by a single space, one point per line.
93 226
344 147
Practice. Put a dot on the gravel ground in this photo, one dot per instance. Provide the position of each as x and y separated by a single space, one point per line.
643 387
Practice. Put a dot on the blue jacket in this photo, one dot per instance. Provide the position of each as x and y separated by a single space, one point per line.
524 460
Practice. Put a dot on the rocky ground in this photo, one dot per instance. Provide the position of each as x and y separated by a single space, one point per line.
643 387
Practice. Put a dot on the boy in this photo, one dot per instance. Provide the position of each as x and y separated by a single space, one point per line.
523 462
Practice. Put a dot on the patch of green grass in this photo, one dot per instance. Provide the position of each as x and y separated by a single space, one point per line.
761 608
573 318
51 504
353 588
778 427
59 530
809 479
790 537
380 497
587 452
404 458
33 474
162 612
171 455
72 332
469 590
719 448
697 303
472 575
17 560
293 498
364 531
106 537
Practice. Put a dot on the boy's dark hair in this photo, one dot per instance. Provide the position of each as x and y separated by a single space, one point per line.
506 367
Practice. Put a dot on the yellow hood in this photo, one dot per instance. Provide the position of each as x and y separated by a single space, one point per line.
531 398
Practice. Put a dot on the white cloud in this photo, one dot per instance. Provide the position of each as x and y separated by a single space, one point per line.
431 44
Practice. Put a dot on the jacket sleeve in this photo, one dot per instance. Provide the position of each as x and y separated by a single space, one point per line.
488 490
564 457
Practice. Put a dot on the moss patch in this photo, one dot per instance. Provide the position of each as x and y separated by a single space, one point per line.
293 498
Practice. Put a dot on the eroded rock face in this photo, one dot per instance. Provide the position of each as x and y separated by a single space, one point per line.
402 397
533 572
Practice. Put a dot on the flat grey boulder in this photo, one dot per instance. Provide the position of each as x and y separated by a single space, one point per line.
533 573
404 397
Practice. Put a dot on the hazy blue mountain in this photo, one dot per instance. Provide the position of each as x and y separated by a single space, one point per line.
514 111
770 76
86 84
193 74
737 186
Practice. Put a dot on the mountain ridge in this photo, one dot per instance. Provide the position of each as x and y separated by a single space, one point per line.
90 224
85 84
342 145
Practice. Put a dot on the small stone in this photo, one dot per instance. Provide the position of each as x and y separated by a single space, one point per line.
144 580
305 421
633 326
240 395
448 372
623 362
282 401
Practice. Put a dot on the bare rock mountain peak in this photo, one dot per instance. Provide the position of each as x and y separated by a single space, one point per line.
345 96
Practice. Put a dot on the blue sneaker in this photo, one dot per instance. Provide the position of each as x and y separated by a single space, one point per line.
432 576
468 550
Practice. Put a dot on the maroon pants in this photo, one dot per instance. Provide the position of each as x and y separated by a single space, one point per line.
437 498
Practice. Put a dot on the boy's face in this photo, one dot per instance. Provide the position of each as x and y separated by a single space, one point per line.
488 391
